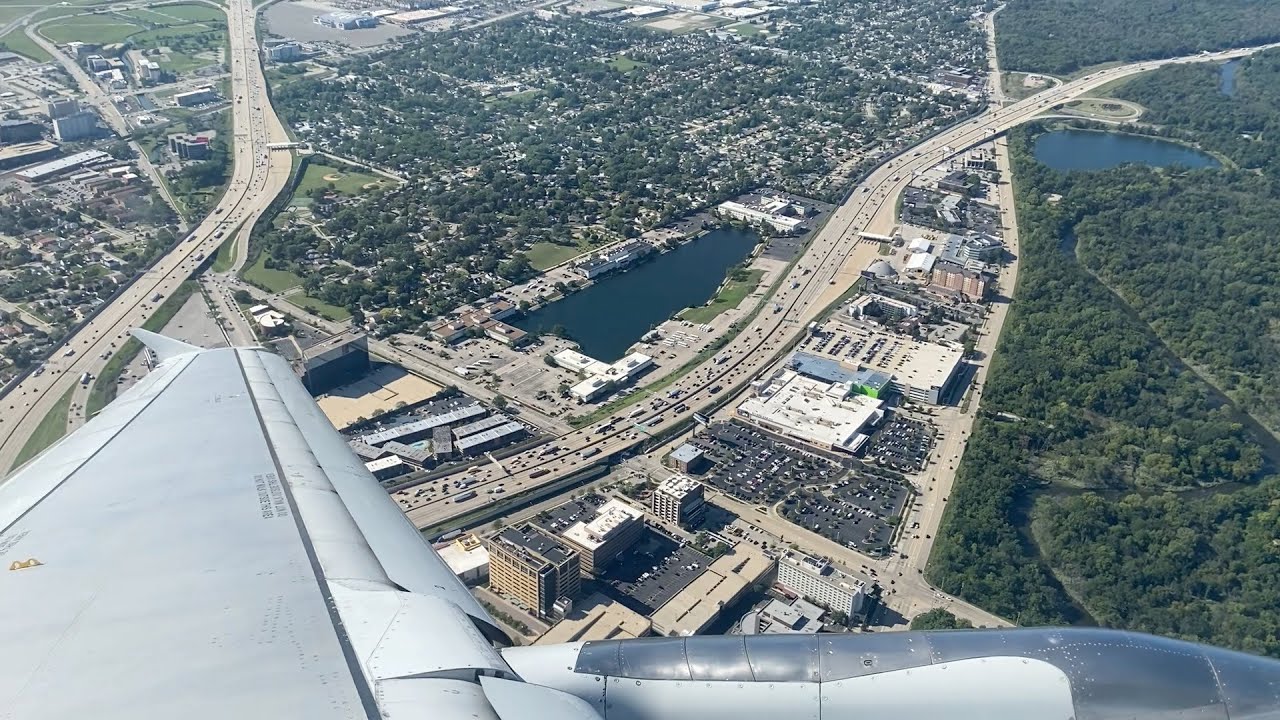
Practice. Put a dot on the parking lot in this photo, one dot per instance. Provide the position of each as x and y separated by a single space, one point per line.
757 468
856 512
902 444
657 567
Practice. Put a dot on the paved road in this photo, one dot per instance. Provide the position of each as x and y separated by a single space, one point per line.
828 267
259 175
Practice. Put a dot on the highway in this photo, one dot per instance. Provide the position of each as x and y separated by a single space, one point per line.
259 175
828 267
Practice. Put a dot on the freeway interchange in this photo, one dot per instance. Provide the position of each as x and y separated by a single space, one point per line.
828 266
259 175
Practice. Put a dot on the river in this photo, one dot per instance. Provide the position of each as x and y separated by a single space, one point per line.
1091 150
608 317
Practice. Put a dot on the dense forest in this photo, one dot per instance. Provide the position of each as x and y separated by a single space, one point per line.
1128 491
1063 36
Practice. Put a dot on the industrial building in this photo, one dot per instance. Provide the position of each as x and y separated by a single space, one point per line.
778 213
199 96
688 458
615 527
346 21
828 415
601 377
781 618
419 429
596 617
820 581
19 131
534 567
698 605
467 557
55 168
960 281
185 146
335 361
614 258
679 500
490 439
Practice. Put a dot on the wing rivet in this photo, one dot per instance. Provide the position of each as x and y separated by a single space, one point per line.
24 564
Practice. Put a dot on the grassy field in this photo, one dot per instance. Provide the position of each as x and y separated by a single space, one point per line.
745 29
102 29
730 296
1104 108
622 63
17 41
226 255
543 255
347 181
51 429
270 280
320 307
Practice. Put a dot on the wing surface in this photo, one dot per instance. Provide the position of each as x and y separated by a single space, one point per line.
208 547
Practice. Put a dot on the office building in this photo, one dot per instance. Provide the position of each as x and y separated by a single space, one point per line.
284 52
952 279
615 527
195 97
539 570
190 147
19 131
772 213
688 458
145 71
334 362
818 580
12 156
467 557
61 107
387 468
601 377
782 618
881 309
680 500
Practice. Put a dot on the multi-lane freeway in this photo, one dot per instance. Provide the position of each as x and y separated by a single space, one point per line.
826 269
259 175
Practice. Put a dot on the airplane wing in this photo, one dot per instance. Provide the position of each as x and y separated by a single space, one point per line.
208 547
